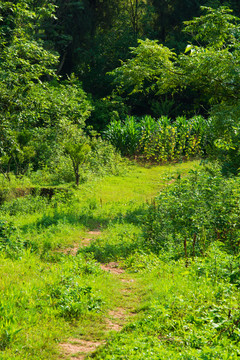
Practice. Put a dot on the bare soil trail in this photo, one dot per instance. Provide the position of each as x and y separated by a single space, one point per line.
80 348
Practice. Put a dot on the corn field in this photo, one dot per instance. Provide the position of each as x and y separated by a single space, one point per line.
161 140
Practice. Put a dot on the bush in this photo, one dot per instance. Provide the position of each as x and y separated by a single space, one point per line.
104 159
72 299
107 109
194 213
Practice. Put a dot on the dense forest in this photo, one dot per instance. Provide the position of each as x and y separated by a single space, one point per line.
71 67
119 179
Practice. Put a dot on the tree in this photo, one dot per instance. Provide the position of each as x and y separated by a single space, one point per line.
33 101
24 62
209 68
76 145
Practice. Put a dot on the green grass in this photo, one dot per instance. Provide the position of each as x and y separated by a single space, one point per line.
187 314
139 184
49 297
40 302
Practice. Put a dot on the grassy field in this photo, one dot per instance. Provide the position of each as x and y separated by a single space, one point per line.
76 282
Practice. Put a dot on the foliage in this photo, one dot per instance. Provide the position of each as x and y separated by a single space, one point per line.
71 299
24 60
46 292
194 213
33 139
91 37
33 102
226 129
104 159
46 105
150 62
17 152
209 67
76 146
161 140
106 110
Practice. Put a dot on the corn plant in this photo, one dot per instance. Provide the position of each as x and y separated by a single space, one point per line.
160 140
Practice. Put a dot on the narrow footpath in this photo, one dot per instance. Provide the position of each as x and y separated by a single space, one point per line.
80 348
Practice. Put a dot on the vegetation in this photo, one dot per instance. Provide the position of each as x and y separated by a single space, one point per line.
184 312
193 214
38 106
161 140
92 242
45 289
208 67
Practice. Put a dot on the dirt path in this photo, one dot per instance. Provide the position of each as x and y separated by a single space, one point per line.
79 349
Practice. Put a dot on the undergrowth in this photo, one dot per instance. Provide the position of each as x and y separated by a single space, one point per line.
188 313
180 248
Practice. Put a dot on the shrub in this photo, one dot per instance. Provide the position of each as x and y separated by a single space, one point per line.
195 212
106 110
72 299
104 158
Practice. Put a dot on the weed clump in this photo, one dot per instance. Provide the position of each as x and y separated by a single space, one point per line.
72 299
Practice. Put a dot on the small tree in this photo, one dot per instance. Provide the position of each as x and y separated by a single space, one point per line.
76 145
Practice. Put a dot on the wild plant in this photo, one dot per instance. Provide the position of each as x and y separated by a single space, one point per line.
24 205
105 159
73 299
195 212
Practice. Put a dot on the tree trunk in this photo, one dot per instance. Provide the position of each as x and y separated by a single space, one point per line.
77 176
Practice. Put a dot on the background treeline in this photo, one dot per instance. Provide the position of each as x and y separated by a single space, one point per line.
91 36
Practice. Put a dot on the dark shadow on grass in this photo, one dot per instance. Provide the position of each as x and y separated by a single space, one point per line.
136 216
88 220
105 252
47 221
